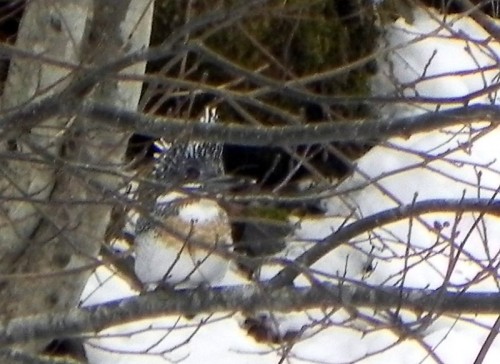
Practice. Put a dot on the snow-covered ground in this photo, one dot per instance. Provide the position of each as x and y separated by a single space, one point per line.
435 248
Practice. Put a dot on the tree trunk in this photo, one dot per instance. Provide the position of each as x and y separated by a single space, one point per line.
46 245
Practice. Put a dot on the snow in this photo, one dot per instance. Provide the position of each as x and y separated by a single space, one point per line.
456 162
103 286
443 65
218 336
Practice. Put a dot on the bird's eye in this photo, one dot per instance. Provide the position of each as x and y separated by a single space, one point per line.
192 173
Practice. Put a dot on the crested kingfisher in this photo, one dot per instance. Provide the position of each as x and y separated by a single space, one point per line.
186 237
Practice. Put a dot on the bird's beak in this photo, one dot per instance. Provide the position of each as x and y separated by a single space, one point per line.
228 182
222 183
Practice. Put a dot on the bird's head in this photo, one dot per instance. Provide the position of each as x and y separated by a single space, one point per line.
190 163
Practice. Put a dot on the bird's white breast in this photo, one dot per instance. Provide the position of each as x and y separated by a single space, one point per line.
171 252
204 211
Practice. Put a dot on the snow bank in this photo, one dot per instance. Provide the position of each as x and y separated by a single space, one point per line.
451 163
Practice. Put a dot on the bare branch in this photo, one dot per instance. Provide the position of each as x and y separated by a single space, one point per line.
288 274
360 130
242 298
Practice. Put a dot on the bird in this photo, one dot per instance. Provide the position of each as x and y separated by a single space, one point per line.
185 239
